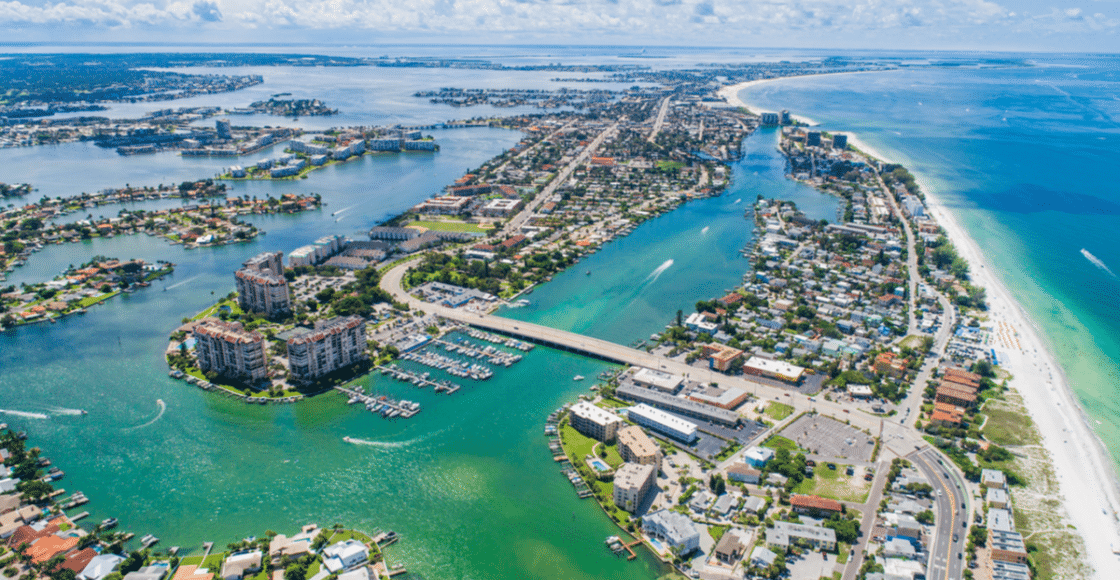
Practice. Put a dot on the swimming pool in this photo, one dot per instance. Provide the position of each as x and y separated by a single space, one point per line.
599 465
656 545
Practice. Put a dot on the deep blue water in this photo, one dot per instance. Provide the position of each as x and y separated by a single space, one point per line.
1027 159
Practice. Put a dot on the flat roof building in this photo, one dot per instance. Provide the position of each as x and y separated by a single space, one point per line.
663 422
676 530
334 344
679 405
784 534
595 422
773 369
636 447
632 482
664 382
228 349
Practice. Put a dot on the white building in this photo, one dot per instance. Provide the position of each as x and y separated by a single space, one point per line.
100 567
665 382
663 422
674 529
344 555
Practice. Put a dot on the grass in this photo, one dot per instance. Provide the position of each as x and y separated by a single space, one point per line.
670 165
612 403
448 226
717 531
191 561
578 445
1007 427
835 484
613 458
778 411
778 442
213 561
842 551
343 535
91 300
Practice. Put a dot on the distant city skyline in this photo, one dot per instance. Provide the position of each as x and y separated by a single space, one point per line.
1010 25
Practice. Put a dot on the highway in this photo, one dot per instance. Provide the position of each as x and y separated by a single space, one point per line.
950 538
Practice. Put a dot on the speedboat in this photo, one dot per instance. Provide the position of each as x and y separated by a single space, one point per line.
109 523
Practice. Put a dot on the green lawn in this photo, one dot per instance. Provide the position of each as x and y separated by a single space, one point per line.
1007 427
449 226
778 442
670 164
91 300
613 458
191 561
343 535
834 484
778 411
612 403
213 561
576 443
717 532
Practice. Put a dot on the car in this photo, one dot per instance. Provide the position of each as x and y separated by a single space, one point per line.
832 466
956 538
960 555
939 494
964 525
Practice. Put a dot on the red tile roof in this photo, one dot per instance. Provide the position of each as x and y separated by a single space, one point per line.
815 503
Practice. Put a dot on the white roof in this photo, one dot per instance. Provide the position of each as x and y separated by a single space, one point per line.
662 418
775 366
596 415
663 381
101 566
759 454
860 390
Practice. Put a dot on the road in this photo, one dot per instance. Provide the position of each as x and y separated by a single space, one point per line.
946 553
660 120
911 256
514 224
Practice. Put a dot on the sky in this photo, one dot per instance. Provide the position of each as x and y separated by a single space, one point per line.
997 25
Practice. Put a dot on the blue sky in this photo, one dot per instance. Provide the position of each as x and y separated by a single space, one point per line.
1027 25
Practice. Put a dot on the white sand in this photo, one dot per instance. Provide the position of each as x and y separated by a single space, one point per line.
1085 470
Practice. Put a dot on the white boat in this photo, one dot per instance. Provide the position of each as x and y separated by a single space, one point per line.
577 378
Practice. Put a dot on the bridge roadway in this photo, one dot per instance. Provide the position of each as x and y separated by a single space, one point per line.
897 439
895 435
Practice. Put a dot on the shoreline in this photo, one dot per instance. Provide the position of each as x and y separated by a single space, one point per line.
1063 424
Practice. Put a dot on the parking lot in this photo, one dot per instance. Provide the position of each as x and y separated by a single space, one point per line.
828 437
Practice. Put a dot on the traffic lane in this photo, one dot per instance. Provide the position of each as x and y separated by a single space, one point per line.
948 546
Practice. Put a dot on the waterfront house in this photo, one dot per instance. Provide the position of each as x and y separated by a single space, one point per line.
238 564
674 529
344 555
100 567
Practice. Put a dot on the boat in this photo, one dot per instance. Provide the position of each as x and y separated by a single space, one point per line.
108 523
149 540
348 439
589 272
577 378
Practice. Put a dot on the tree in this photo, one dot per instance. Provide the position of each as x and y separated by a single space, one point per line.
133 562
925 517
34 490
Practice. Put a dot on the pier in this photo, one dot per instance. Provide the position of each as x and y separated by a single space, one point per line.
476 371
380 404
491 354
418 380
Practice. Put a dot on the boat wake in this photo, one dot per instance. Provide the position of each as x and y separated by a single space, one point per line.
705 230
737 201
382 444
344 209
65 411
174 286
1097 262
25 414
162 408
654 275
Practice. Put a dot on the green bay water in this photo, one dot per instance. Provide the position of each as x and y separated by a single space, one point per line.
468 482
1026 158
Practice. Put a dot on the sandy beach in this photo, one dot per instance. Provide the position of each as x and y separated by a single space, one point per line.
1086 472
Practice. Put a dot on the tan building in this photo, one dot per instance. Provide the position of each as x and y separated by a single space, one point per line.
722 357
228 349
263 291
632 482
595 422
334 344
636 447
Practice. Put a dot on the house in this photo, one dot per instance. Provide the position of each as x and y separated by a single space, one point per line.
729 549
77 560
50 546
996 497
762 558
785 534
758 456
899 548
100 566
743 473
674 529
754 504
890 364
356 574
148 573
724 505
238 564
295 546
816 505
344 555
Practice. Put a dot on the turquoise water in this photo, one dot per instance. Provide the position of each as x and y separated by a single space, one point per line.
1026 158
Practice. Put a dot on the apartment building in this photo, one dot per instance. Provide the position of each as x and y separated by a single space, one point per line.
228 349
334 344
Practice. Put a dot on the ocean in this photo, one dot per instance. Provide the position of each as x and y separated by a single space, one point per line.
1025 158
469 482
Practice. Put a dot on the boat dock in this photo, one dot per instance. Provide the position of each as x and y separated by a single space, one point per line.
75 500
417 379
491 354
380 404
498 339
476 371
617 546
79 517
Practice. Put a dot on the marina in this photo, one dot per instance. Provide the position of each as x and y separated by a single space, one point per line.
420 380
380 404
461 369
491 354
498 339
